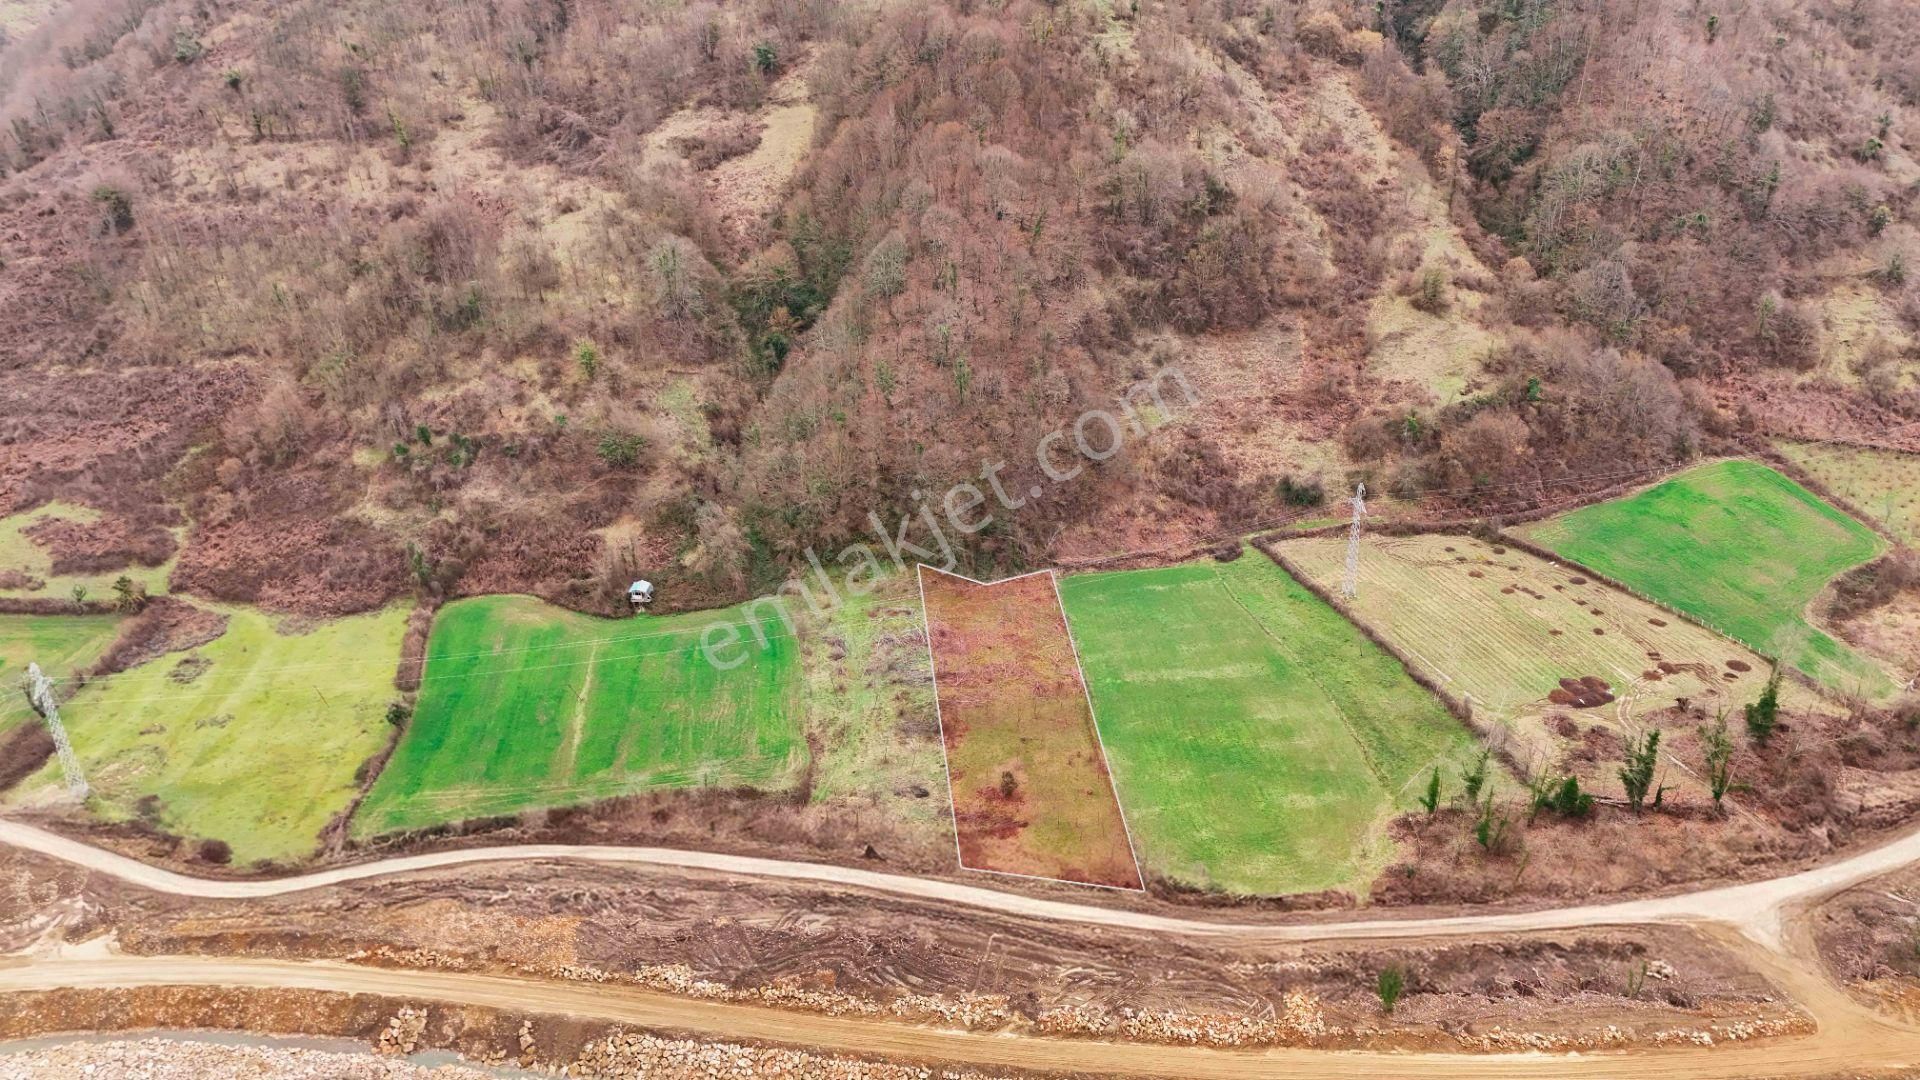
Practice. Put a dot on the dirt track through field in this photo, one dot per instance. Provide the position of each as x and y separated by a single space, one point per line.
1750 919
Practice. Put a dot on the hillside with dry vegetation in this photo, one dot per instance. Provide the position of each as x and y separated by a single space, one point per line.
334 302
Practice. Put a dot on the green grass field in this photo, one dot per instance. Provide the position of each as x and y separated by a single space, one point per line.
1260 742
60 644
1882 483
1738 545
526 705
253 738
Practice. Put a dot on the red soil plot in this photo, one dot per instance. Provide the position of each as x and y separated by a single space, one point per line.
1031 792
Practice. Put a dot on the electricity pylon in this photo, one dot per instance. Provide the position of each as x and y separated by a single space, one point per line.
40 696
1351 586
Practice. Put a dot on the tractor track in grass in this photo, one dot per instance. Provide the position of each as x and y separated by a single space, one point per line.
1754 920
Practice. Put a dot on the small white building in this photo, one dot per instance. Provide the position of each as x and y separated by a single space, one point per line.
640 593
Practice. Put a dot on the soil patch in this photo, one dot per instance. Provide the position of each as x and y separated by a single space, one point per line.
1030 785
1586 692
704 936
24 750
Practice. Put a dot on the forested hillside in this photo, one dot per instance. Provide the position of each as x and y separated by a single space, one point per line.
330 302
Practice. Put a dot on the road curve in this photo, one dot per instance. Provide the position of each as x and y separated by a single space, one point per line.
1754 908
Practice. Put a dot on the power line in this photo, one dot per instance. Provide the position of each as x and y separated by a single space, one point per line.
1292 517
761 630
1288 518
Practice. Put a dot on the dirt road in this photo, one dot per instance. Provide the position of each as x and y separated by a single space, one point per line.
1755 908
1753 920
1851 1043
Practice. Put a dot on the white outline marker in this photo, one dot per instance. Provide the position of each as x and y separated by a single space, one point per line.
1099 741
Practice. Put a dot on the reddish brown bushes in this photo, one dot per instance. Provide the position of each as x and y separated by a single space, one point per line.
111 543
165 625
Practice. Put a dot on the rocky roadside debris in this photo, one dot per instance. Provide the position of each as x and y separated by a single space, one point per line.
970 1011
402 1034
1300 1020
618 1057
1297 1023
171 1059
628 1057
1498 1040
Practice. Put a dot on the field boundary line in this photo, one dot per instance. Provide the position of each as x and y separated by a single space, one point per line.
1799 474
1540 551
953 806
1494 736
766 626
426 677
939 718
1093 717
1307 670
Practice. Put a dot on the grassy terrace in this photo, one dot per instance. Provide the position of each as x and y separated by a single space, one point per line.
60 644
1505 627
1880 483
1260 742
1738 545
524 704
18 552
253 738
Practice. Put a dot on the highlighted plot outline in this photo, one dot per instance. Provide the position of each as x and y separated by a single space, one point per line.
1027 773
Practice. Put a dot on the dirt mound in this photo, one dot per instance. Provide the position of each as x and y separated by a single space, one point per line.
1586 692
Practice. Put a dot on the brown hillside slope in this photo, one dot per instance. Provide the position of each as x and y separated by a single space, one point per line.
533 295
